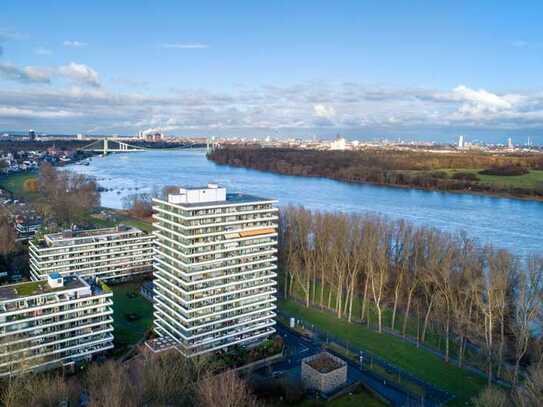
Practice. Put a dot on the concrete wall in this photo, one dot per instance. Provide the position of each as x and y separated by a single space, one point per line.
323 382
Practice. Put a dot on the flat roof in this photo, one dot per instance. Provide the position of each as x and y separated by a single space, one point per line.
231 198
68 235
30 288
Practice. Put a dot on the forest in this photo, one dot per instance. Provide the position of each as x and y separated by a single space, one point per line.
418 169
477 306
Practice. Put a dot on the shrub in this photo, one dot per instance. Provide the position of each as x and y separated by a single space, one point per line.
506 171
466 176
31 185
439 174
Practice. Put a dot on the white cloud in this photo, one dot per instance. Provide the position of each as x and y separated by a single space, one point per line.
302 107
80 73
28 74
183 46
323 111
480 101
74 44
14 112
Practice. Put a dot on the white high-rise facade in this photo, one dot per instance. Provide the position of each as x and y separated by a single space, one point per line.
214 268
52 323
112 254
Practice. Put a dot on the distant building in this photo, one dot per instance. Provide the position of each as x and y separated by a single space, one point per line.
510 143
338 144
26 226
461 142
118 253
53 323
154 136
215 278
31 134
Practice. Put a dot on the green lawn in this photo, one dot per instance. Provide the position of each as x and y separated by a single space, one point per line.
360 398
130 332
402 354
118 217
531 180
434 339
15 184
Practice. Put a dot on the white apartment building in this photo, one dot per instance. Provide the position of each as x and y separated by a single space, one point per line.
117 253
214 268
53 323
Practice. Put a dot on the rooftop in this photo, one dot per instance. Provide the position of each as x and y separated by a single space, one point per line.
72 235
213 195
324 362
30 288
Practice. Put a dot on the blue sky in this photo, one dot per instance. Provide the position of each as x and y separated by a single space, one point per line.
281 67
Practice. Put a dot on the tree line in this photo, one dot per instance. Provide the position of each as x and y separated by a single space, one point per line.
166 379
442 289
384 167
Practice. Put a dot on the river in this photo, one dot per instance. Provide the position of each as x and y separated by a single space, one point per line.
507 223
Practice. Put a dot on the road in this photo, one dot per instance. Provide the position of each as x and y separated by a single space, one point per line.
299 347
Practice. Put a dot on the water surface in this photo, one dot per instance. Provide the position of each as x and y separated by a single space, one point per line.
509 223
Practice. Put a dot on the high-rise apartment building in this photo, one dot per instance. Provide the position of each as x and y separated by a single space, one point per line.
112 254
53 323
215 271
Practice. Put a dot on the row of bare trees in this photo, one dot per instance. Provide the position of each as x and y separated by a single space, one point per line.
149 380
440 288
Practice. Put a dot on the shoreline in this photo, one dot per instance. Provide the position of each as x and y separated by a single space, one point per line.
498 195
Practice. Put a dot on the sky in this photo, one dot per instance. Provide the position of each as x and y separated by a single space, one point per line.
366 69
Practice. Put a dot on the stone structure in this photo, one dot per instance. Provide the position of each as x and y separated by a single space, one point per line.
323 372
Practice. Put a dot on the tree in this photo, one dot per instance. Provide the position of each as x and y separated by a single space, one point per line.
8 235
530 393
139 205
68 197
492 397
109 384
224 390
31 185
528 308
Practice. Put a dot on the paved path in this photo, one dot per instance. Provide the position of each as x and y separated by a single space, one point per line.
299 347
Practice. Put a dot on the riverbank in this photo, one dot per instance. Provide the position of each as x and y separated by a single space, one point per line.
464 173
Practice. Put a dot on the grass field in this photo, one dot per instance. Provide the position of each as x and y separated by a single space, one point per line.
433 339
532 180
117 218
130 332
15 184
359 398
422 364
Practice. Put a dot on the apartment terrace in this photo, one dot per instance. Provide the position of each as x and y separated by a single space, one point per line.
33 288
71 237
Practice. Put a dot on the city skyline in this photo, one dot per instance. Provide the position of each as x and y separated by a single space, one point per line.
415 71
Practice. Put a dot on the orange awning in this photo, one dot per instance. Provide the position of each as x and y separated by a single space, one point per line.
256 232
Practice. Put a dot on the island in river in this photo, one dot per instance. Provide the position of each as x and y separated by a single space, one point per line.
505 174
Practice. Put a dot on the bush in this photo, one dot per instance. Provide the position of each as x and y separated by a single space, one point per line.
31 185
466 176
507 171
439 174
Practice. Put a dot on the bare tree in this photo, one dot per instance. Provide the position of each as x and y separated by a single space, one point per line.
224 390
492 397
528 308
7 233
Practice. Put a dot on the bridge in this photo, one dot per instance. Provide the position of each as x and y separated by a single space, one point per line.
106 146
